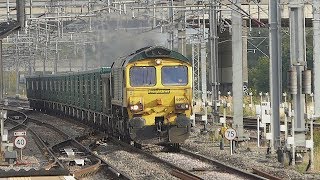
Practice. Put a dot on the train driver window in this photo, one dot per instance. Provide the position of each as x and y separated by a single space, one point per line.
174 75
142 76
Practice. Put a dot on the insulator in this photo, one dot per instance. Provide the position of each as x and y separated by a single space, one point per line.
306 82
292 81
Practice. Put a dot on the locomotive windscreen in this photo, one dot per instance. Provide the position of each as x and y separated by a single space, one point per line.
174 75
143 76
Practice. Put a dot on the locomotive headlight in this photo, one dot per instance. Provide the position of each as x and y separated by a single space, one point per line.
158 61
136 107
182 106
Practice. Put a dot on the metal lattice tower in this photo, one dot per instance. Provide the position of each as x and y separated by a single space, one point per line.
196 70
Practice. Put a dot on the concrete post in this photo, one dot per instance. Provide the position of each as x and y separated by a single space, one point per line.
237 80
203 57
214 59
1 72
274 72
182 29
21 13
316 56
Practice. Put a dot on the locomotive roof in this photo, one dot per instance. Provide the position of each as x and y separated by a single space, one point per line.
151 52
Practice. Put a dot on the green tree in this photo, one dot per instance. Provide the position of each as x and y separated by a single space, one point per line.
259 69
259 75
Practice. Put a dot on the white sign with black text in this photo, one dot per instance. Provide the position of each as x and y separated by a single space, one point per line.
20 142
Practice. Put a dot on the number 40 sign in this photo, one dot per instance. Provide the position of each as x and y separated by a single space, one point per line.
230 134
20 142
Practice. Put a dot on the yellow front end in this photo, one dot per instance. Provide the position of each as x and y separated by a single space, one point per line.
159 96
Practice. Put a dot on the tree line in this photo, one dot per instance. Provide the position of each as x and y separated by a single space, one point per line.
258 63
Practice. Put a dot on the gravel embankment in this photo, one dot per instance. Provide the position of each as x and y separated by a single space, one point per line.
134 164
189 163
246 157
72 129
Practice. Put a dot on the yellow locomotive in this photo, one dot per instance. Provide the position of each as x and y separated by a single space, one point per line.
144 97
151 96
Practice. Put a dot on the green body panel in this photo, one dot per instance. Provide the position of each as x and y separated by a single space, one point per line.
82 89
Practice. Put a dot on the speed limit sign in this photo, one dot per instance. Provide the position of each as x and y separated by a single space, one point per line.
230 134
20 142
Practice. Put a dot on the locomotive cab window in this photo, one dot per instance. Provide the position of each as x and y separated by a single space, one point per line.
174 75
143 76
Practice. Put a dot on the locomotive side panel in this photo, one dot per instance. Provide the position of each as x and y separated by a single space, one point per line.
106 94
117 86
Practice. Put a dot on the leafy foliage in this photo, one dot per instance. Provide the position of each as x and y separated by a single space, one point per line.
259 75
258 63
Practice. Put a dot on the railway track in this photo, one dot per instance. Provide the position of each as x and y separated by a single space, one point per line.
223 166
90 140
136 164
87 141
49 143
195 173
50 164
178 168
95 161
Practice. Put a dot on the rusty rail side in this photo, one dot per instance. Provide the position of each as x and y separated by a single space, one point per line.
87 171
264 174
228 168
183 176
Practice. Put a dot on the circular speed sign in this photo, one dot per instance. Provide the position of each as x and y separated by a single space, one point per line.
20 142
230 134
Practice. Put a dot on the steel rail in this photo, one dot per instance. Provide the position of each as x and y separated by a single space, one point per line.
39 143
86 171
222 165
182 172
265 174
182 175
93 168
